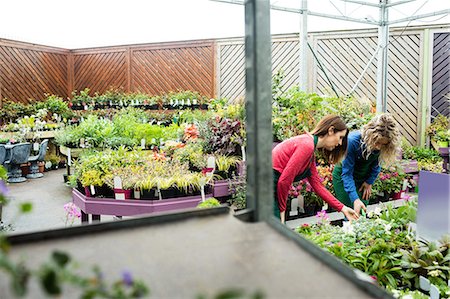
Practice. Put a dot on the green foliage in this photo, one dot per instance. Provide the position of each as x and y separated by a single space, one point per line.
238 187
295 112
209 203
441 123
82 98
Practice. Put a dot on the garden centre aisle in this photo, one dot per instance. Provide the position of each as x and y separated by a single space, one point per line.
47 195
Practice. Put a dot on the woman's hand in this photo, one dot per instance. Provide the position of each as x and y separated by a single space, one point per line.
350 213
358 205
366 189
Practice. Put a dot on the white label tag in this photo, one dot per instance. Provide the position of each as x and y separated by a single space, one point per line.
294 205
434 292
143 143
117 182
85 107
92 190
301 203
243 153
424 283
35 146
120 196
69 160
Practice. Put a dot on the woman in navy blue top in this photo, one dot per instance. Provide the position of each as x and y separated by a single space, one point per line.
376 143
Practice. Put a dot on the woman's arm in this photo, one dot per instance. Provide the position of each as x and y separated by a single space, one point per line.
348 166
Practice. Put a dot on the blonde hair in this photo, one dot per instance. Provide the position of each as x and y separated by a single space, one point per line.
381 126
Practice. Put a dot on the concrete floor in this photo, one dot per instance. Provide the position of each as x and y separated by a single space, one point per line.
47 195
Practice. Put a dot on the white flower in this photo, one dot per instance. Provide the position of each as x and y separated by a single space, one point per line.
387 228
370 214
377 211
347 228
435 273
395 293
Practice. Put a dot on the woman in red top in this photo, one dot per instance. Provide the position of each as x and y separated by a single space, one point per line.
294 160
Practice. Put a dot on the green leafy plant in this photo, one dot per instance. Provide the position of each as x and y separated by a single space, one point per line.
209 203
238 188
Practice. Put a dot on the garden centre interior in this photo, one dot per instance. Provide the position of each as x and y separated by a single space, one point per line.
144 170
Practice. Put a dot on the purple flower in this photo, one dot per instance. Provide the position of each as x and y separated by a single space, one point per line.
127 278
3 189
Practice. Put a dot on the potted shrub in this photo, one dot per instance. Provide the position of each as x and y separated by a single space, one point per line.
91 180
442 138
129 176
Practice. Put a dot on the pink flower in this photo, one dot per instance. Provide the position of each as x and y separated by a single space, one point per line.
72 210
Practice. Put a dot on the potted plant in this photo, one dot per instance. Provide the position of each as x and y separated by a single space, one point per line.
389 183
129 177
226 165
442 138
91 180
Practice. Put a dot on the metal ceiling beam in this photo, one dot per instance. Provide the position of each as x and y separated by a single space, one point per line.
308 12
399 2
431 14
364 3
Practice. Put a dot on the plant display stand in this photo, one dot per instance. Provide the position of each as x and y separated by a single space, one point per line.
433 212
109 206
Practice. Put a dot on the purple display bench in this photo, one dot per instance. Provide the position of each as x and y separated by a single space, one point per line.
409 166
221 188
129 207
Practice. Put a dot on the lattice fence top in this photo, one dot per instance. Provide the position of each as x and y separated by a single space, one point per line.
441 75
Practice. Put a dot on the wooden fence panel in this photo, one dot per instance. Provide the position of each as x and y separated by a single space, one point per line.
28 72
100 71
231 73
156 70
441 75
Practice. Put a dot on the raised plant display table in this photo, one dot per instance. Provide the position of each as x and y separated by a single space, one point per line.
108 206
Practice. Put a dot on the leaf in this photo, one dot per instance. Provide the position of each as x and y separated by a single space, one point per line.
26 207
230 294
391 280
49 281
61 258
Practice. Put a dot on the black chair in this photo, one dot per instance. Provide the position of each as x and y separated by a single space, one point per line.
2 154
34 167
19 155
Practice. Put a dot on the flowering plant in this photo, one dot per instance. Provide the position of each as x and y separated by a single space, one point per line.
389 182
72 212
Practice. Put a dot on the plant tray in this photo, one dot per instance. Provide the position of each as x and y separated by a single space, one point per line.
131 207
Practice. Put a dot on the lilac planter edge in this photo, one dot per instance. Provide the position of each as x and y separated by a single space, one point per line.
130 207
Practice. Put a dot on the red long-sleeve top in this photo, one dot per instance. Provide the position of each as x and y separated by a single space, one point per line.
291 158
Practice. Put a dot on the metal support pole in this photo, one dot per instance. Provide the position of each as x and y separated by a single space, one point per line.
303 72
258 97
382 63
